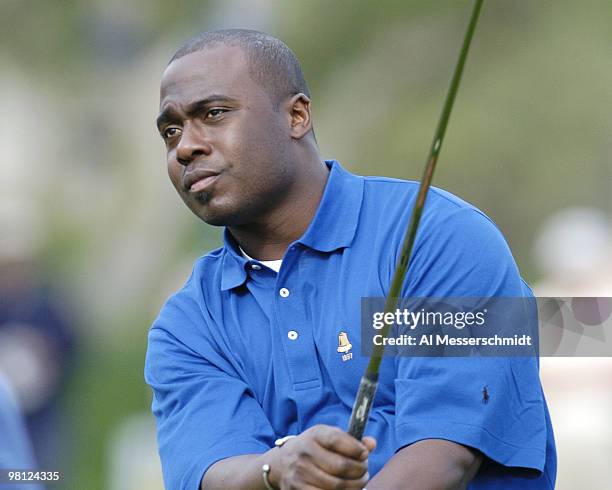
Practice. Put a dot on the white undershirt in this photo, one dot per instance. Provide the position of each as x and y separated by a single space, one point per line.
275 265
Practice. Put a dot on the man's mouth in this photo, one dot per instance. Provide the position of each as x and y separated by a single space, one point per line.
199 180
202 184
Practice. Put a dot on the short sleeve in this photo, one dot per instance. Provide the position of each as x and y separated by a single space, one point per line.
493 404
204 411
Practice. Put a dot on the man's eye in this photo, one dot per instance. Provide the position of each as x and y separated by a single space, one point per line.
213 113
170 133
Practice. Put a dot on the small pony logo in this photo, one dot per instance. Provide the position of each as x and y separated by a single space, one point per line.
485 394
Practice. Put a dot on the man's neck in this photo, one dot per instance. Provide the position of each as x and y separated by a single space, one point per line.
270 238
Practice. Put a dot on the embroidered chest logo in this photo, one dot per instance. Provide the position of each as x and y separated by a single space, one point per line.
344 346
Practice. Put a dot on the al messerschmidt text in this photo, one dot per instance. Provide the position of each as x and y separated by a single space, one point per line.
430 339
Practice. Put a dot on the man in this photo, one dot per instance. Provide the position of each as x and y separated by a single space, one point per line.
247 351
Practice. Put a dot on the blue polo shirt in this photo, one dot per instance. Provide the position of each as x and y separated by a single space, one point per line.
242 355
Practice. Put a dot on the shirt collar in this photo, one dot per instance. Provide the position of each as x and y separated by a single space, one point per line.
335 222
233 268
332 227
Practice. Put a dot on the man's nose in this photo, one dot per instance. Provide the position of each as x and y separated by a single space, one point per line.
193 144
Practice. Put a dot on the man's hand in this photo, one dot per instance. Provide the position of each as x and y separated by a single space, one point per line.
322 457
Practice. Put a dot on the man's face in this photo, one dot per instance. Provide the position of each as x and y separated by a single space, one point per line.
227 144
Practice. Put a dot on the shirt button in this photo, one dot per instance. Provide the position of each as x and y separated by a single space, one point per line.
284 292
255 267
292 334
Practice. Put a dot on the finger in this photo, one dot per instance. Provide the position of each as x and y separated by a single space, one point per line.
340 442
369 442
337 465
317 478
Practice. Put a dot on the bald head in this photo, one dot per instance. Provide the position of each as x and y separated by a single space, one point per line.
272 65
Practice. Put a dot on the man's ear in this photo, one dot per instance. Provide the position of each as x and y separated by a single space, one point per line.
299 115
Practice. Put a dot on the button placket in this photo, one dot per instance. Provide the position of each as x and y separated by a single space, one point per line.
291 320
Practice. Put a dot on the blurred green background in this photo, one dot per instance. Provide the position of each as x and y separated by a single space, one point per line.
530 135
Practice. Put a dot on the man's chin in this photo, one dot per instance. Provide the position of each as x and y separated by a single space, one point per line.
223 217
213 215
209 216
200 205
214 220
217 211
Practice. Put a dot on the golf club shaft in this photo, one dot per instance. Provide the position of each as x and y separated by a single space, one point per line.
369 382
